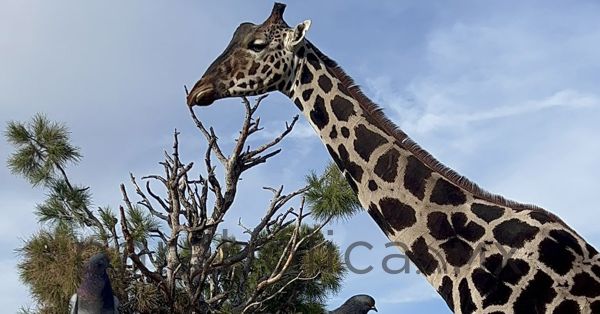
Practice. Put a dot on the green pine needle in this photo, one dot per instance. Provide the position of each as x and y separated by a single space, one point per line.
330 194
42 149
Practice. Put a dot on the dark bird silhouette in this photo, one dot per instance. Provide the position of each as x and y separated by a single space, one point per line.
95 294
358 304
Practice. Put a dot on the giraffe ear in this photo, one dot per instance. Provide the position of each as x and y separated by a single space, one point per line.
298 34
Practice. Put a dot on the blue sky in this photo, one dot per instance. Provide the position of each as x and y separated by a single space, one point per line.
505 93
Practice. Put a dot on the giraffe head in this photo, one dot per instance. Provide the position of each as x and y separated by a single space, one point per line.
259 59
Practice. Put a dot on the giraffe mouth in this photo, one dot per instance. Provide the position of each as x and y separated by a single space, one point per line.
201 96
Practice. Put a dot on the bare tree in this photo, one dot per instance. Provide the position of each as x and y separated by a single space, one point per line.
171 255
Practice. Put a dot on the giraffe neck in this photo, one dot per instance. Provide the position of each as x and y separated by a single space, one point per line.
398 190
474 248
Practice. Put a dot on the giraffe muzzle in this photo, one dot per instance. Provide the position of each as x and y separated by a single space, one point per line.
201 95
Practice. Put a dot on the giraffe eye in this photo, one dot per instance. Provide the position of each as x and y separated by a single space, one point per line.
257 45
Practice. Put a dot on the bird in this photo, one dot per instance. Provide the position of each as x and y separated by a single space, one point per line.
358 304
95 294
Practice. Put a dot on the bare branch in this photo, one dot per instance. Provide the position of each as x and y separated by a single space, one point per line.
157 198
145 201
209 137
264 147
259 160
130 250
257 304
155 177
244 132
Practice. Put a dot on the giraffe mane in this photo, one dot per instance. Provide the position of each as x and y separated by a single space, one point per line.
376 113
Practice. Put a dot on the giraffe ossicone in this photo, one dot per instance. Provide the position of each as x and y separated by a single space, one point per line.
481 252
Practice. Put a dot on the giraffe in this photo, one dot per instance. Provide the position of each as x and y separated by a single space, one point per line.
481 252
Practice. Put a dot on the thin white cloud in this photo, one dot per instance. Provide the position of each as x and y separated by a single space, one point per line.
431 118
495 68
